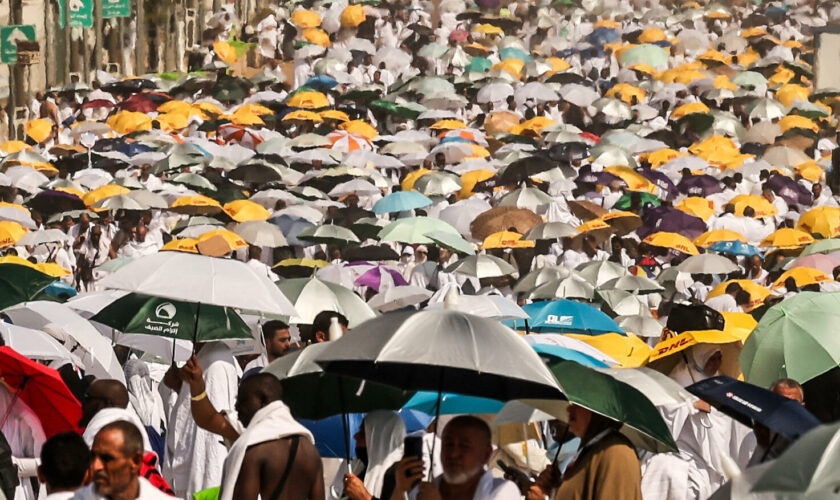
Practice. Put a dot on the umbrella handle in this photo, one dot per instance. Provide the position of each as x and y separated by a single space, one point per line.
12 404
195 330
437 423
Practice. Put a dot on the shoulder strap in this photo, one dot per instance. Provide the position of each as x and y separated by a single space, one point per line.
289 464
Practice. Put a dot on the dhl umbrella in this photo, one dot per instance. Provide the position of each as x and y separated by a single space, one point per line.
448 125
512 66
181 245
10 232
334 114
244 119
723 82
669 351
303 115
126 122
317 36
687 109
535 125
308 100
802 276
790 92
407 183
709 238
172 121
470 179
306 19
761 205
245 210
757 292
103 192
506 239
634 180
651 35
12 147
52 269
739 324
352 16
795 121
787 238
626 93
697 206
15 206
822 222
658 158
673 241
39 129
219 242
303 262
629 350
714 56
810 170
360 127
195 205
255 109
176 106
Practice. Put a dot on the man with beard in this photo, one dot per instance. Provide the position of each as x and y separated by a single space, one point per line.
466 449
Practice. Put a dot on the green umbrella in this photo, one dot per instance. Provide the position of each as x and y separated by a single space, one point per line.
329 234
451 241
20 284
598 391
645 53
368 227
822 246
432 50
302 377
143 314
749 79
795 339
413 230
623 203
411 110
112 265
193 180
479 65
808 467
311 296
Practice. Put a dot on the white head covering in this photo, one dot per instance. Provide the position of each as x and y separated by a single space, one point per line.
139 384
384 435
688 373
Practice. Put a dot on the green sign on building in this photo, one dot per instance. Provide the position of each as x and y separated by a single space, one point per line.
116 8
9 37
80 13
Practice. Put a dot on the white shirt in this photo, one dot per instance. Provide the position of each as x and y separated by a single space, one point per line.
723 303
147 492
489 488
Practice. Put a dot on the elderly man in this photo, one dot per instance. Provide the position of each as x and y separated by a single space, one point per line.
117 454
466 449
770 445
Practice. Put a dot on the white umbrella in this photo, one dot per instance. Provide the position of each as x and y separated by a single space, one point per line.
630 282
120 202
494 92
487 306
566 288
540 276
36 344
261 233
535 91
398 297
599 272
44 236
361 158
201 279
526 197
16 215
26 178
579 95
438 184
640 324
707 263
658 387
312 295
623 303
550 231
481 266
570 343
76 333
358 187
461 214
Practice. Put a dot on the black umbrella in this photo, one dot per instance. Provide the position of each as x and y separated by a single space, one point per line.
369 253
568 151
50 201
671 220
525 168
565 78
749 403
128 86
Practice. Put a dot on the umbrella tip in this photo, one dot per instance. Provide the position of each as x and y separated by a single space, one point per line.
450 300
335 329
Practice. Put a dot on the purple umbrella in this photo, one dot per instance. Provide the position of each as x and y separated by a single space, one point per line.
699 185
671 220
372 278
602 178
662 182
791 191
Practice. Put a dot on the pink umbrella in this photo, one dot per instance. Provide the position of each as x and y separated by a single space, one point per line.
459 35
823 262
379 277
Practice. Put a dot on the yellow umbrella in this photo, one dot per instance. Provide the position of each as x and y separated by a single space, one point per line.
334 114
407 183
557 65
246 210
448 125
71 190
14 259
317 36
714 55
781 76
39 129
306 19
607 23
304 262
506 239
488 29
763 207
666 354
500 122
11 147
790 92
634 180
303 115
651 35
52 269
709 238
219 242
751 32
225 51
181 245
687 109
787 238
352 16
802 276
245 119
797 121
661 157
674 241
172 121
470 179
723 82
361 128
512 66
208 108
253 109
823 221
477 152
126 122
10 232
103 192
739 324
534 126
15 206
718 14
195 205
627 92
644 68
629 350
697 206
810 170
176 106
757 292
308 100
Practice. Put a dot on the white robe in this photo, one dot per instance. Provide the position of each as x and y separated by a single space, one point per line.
110 415
194 457
146 402
25 436
147 492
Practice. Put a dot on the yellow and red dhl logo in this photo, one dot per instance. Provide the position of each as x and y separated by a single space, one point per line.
676 344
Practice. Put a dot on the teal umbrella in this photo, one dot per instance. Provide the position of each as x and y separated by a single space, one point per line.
478 65
413 230
451 241
20 284
623 203
795 339
143 314
514 53
645 53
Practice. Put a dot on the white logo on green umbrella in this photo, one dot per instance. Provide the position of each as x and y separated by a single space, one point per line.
166 310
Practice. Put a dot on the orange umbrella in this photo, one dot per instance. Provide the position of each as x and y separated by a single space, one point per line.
39 129
757 292
709 238
673 241
308 100
352 16
195 205
245 210
802 276
317 36
10 232
506 239
306 19
762 206
823 221
448 125
787 238
697 206
361 128
103 192
181 245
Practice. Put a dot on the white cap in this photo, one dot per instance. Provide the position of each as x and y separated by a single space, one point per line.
408 250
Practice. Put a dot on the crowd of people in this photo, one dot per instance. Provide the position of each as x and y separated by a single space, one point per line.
647 188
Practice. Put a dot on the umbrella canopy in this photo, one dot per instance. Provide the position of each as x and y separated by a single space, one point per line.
43 390
21 283
413 230
481 266
401 201
708 264
200 279
311 296
566 316
442 351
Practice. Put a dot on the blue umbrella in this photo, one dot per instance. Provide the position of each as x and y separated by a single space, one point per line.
321 82
451 404
601 36
291 227
59 289
735 248
514 53
329 435
749 403
415 420
565 316
560 352
401 201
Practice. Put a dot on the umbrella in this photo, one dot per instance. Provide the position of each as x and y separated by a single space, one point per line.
735 248
707 264
485 306
142 314
673 241
642 326
42 389
393 298
451 241
566 316
599 272
379 277
21 283
200 279
329 234
413 230
822 246
631 282
503 219
823 221
481 266
550 231
748 404
261 234
312 295
301 377
802 276
793 339
451 404
787 238
539 276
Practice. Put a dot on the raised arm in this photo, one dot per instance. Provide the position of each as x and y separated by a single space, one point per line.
205 415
